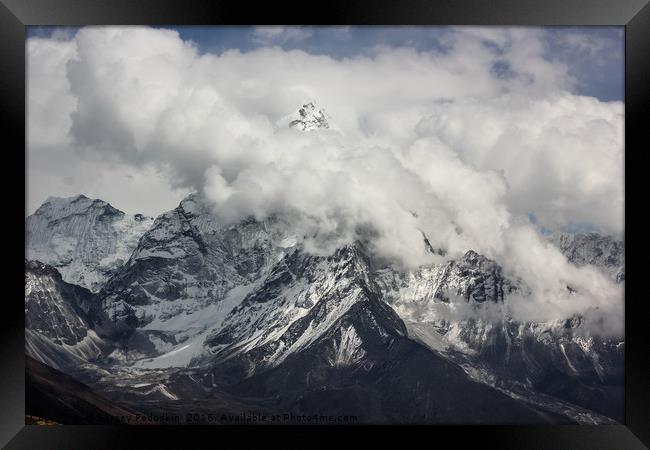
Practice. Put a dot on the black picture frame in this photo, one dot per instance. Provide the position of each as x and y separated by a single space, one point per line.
634 15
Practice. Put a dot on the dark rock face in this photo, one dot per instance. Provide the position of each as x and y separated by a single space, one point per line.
64 323
430 249
61 311
481 279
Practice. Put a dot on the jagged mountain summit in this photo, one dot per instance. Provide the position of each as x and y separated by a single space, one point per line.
87 240
309 117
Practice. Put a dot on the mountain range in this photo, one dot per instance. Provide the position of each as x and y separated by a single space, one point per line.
189 313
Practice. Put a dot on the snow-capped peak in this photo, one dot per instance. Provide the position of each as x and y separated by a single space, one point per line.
309 117
58 207
85 239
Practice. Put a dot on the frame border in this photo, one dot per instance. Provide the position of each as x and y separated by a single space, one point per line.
15 15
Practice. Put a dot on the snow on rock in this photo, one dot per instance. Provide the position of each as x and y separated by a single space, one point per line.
87 240
188 260
436 303
347 350
309 117
306 299
603 252
190 330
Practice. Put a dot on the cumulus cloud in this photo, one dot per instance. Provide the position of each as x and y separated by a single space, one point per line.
57 165
460 143
561 156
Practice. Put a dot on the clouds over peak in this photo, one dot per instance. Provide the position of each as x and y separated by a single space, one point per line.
472 136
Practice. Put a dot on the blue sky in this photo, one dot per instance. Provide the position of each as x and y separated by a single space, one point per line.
594 55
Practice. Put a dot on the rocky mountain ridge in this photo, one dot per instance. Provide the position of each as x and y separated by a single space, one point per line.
246 301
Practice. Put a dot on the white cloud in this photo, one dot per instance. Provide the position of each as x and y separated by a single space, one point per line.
50 100
435 133
56 166
562 157
583 43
